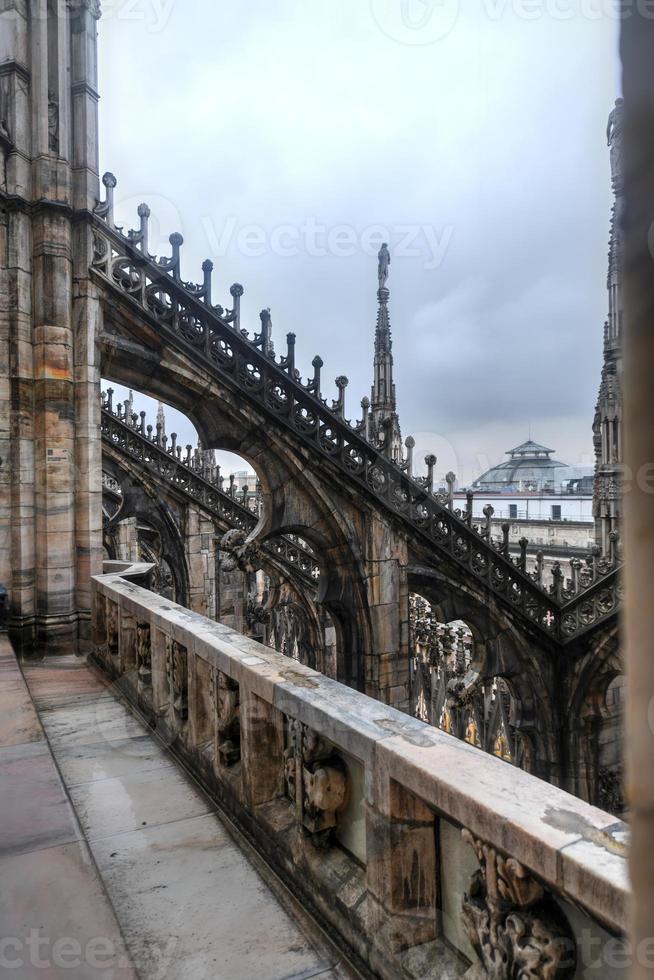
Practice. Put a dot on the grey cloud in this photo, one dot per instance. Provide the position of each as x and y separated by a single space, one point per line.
276 114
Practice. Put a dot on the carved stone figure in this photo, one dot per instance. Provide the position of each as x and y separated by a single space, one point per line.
515 927
163 580
144 653
611 795
384 259
289 632
93 7
4 108
228 721
177 670
256 614
53 124
614 139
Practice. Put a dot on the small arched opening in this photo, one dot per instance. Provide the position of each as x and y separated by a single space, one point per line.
448 691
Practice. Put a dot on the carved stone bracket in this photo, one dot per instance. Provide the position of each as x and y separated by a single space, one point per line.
516 928
228 724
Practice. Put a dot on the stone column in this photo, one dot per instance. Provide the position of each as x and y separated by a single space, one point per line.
387 663
17 488
49 317
128 540
637 44
199 543
231 594
86 310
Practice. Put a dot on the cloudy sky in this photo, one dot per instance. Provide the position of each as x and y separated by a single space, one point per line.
285 138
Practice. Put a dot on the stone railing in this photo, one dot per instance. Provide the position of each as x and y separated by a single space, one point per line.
427 857
129 439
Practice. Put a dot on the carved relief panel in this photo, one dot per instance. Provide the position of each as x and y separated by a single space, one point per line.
100 607
112 627
228 724
177 673
144 654
516 928
323 788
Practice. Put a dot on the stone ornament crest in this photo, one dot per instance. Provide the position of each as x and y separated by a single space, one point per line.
516 928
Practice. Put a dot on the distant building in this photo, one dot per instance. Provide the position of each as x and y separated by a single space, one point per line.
532 506
531 469
542 500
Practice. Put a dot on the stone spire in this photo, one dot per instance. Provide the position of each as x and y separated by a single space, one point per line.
607 425
161 420
384 420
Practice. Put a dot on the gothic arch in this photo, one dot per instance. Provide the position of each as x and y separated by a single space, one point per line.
294 499
500 651
449 691
158 518
595 738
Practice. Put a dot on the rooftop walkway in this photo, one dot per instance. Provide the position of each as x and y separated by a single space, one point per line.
113 863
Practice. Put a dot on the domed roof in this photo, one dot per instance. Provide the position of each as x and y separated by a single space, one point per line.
530 467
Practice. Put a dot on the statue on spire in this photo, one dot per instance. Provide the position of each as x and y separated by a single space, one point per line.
614 133
161 420
129 406
384 258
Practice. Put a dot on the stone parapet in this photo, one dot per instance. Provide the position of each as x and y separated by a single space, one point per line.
428 857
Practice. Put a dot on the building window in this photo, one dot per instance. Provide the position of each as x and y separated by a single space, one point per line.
513 511
556 512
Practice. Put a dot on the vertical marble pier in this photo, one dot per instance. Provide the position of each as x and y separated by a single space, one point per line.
49 317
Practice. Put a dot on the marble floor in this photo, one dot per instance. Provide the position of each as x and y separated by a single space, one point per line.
113 863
